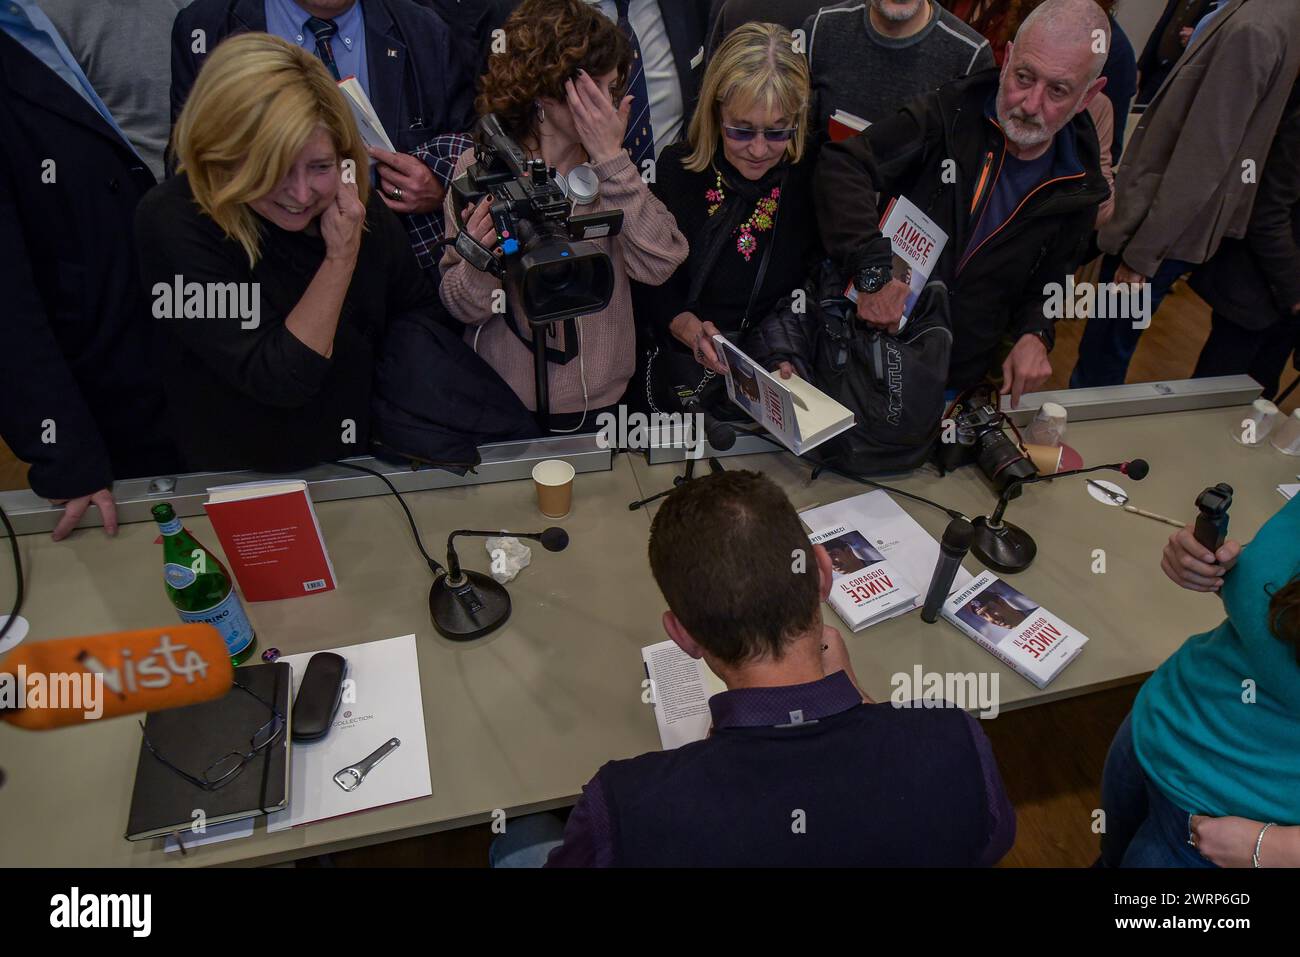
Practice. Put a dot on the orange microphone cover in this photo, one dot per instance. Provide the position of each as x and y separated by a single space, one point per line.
51 684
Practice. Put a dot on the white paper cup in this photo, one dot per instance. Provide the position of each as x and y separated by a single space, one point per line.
554 482
1286 437
1256 425
1048 427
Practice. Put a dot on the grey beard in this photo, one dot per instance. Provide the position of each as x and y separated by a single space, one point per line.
892 13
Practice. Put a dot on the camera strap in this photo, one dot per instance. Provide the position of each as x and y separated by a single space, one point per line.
557 356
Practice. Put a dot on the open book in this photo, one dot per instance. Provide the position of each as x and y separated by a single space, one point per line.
368 123
680 688
796 412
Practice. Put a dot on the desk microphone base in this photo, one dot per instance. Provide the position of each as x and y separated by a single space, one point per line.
1003 547
476 607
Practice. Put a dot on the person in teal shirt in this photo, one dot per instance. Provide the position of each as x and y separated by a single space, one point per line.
1205 770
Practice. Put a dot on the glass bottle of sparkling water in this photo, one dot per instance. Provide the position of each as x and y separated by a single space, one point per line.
200 587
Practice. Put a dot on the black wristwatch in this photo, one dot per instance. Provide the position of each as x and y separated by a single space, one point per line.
872 279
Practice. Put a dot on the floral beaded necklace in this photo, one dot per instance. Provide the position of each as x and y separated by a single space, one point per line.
760 220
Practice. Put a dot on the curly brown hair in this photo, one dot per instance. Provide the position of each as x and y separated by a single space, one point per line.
1284 614
547 42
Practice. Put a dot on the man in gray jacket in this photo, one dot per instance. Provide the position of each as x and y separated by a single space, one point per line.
1188 176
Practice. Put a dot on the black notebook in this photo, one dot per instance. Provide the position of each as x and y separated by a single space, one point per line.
193 737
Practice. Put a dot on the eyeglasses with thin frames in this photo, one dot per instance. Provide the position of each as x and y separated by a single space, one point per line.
743 134
227 767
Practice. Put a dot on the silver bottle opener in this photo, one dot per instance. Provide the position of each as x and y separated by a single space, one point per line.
350 778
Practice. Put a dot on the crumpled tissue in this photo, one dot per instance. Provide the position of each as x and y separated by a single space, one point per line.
509 557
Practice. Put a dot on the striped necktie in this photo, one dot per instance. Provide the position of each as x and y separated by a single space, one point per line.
640 138
324 31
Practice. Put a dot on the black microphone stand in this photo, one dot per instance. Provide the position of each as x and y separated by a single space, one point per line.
466 604
1000 545
714 467
1008 548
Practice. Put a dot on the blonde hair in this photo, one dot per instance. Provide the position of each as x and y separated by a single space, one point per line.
756 64
255 104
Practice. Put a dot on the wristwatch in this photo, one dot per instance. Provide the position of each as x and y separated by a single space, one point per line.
872 279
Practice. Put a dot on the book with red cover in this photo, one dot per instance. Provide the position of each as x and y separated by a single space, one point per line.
844 125
271 538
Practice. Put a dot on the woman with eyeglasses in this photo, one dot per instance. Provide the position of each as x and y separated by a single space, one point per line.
739 187
559 91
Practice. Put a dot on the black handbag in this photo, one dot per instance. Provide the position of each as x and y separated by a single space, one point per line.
893 384
672 375
435 400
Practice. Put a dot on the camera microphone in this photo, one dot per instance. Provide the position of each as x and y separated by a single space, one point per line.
1212 522
957 538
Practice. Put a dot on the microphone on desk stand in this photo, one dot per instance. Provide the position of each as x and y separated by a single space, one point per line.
1007 548
468 604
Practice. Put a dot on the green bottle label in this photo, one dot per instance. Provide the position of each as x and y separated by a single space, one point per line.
178 576
229 618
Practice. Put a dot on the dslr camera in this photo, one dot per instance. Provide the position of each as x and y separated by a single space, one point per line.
549 265
981 437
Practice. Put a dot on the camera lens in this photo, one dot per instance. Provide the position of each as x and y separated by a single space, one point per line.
1000 459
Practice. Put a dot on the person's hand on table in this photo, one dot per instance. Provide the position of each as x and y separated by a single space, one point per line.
883 309
1191 565
1025 368
1230 842
835 657
74 508
599 124
696 335
406 184
785 370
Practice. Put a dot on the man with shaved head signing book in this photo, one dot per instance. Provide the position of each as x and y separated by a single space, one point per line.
800 767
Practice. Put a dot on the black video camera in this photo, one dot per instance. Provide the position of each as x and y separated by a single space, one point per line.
549 265
1212 516
981 437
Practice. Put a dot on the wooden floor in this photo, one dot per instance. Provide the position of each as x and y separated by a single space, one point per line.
1051 756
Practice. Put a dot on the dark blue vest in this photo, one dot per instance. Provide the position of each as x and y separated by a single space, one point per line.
874 786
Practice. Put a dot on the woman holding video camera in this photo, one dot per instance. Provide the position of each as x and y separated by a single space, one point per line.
1205 770
558 91
739 188
275 269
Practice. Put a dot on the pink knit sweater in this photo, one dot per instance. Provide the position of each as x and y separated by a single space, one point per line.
648 250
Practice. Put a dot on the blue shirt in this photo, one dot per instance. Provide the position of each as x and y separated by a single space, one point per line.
589 839
287 20
1207 749
27 23
1204 22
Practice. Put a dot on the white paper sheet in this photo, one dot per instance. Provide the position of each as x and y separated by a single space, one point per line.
1288 491
385 676
895 534
681 687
